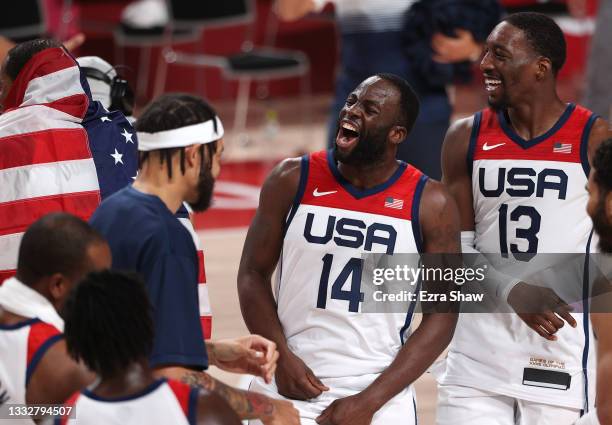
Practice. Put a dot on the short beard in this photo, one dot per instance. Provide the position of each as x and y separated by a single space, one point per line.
206 184
370 149
500 105
603 228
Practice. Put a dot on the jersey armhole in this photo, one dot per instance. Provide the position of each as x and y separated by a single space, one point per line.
71 402
414 212
472 144
304 166
584 144
40 339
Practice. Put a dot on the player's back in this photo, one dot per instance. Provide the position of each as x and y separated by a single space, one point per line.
529 198
22 346
163 402
319 278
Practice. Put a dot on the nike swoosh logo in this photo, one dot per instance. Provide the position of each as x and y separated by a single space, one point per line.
486 147
317 193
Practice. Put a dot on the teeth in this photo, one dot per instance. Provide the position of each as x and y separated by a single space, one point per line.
348 126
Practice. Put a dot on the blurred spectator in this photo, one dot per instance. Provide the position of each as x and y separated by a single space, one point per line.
372 42
598 95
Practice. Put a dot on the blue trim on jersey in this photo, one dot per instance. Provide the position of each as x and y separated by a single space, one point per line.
19 325
409 315
38 355
473 139
416 419
525 144
300 192
148 390
362 193
584 144
416 202
585 320
192 410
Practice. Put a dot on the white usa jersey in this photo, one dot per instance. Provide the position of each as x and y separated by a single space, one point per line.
163 402
330 225
529 197
22 346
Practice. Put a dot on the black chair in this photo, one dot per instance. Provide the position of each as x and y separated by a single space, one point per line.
249 64
23 20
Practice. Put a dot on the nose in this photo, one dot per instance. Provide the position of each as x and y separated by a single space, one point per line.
486 64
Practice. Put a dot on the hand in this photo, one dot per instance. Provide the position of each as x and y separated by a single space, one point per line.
295 380
541 309
283 414
74 42
347 411
455 49
251 354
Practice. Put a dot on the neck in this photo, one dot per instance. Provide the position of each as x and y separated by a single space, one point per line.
154 180
536 116
366 176
132 380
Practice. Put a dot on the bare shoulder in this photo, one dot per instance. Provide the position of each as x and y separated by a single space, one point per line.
436 199
601 131
458 134
286 173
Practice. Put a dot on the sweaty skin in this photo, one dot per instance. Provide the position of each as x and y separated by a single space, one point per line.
372 106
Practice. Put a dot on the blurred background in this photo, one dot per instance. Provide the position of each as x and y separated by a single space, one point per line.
273 81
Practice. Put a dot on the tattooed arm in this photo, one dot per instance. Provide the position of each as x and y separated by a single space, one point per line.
247 404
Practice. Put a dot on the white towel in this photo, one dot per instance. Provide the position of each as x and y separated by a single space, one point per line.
25 301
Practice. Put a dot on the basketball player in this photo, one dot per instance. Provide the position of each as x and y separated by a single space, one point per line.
600 210
55 253
521 192
180 139
109 328
317 215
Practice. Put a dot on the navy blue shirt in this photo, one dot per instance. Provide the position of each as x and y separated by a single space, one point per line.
145 237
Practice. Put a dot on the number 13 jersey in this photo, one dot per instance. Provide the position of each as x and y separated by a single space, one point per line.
318 287
529 197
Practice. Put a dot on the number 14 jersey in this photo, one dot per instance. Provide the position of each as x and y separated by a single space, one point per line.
318 289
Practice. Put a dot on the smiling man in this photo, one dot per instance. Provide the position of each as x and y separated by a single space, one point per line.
317 215
518 172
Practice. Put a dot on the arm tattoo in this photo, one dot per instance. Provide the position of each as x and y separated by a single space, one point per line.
248 405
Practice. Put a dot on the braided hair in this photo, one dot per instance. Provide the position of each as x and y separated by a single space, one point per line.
108 322
171 111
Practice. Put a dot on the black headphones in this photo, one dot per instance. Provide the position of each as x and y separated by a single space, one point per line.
121 95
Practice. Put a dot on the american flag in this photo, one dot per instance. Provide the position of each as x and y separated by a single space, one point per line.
397 204
55 149
562 147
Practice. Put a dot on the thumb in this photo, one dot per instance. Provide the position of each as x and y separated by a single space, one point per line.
316 381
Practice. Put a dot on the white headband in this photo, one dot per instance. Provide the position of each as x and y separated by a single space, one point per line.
201 133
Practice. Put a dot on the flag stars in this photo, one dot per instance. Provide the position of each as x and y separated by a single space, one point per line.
117 156
105 119
128 136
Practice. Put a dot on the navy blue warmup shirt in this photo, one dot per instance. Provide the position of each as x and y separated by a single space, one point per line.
145 236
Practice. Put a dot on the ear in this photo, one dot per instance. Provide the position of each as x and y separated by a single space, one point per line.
544 66
57 285
608 206
192 156
397 134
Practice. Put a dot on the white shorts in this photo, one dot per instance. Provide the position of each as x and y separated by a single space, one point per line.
400 410
589 419
458 405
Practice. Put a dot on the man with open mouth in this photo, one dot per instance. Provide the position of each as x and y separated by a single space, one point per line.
317 216
518 172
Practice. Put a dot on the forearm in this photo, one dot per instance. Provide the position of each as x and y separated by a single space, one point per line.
259 309
418 353
604 387
247 405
